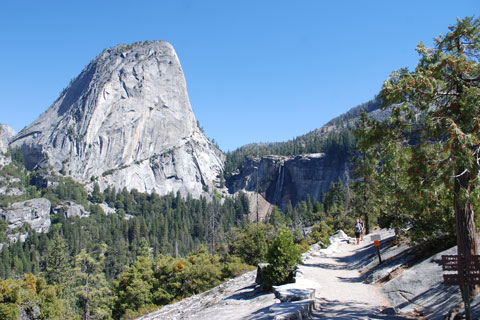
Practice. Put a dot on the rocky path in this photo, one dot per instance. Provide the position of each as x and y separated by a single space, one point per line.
234 299
340 290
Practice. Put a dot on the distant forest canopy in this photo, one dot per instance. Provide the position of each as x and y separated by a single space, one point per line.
171 224
336 139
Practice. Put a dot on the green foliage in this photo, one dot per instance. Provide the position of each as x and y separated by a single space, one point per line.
134 288
149 283
233 266
67 189
335 197
250 243
283 255
33 296
17 157
9 311
57 268
3 229
369 195
91 287
338 214
17 177
429 146
97 196
321 233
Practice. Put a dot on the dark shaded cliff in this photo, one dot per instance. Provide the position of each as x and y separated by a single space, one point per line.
281 179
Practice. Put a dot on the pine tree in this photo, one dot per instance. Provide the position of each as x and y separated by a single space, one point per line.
283 256
91 288
57 266
97 195
438 104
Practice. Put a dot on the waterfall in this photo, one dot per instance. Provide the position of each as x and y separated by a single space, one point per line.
279 185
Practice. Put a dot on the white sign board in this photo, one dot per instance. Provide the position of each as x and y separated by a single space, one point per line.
375 237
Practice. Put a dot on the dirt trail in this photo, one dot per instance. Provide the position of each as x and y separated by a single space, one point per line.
340 290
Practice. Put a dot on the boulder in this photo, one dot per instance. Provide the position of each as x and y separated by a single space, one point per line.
293 292
421 288
259 279
107 209
71 209
300 310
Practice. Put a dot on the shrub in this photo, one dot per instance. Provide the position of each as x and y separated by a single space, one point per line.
250 244
283 256
320 233
234 266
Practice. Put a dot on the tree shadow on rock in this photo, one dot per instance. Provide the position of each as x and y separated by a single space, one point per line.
248 293
351 310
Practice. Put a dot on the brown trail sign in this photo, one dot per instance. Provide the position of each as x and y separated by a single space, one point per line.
468 270
468 273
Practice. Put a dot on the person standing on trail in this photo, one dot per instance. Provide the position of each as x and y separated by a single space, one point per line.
363 229
358 228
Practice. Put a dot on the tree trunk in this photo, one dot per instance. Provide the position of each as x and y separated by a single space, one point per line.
86 310
367 222
467 239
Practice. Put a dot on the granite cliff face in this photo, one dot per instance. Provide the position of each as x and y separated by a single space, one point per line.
6 134
281 179
126 121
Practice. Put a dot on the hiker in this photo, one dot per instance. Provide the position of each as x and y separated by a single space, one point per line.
357 228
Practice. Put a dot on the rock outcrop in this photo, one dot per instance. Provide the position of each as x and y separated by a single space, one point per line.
126 121
422 287
6 133
282 179
71 209
11 186
35 212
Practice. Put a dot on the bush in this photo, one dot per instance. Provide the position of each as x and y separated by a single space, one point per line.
283 256
29 293
321 233
234 266
250 244
9 311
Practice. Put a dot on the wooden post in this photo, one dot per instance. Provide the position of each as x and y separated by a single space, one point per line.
377 245
376 242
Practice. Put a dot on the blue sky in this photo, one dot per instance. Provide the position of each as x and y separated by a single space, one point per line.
256 71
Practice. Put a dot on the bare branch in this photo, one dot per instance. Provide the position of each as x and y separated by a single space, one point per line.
461 174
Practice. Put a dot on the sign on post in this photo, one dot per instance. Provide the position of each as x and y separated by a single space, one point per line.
467 268
468 273
376 242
